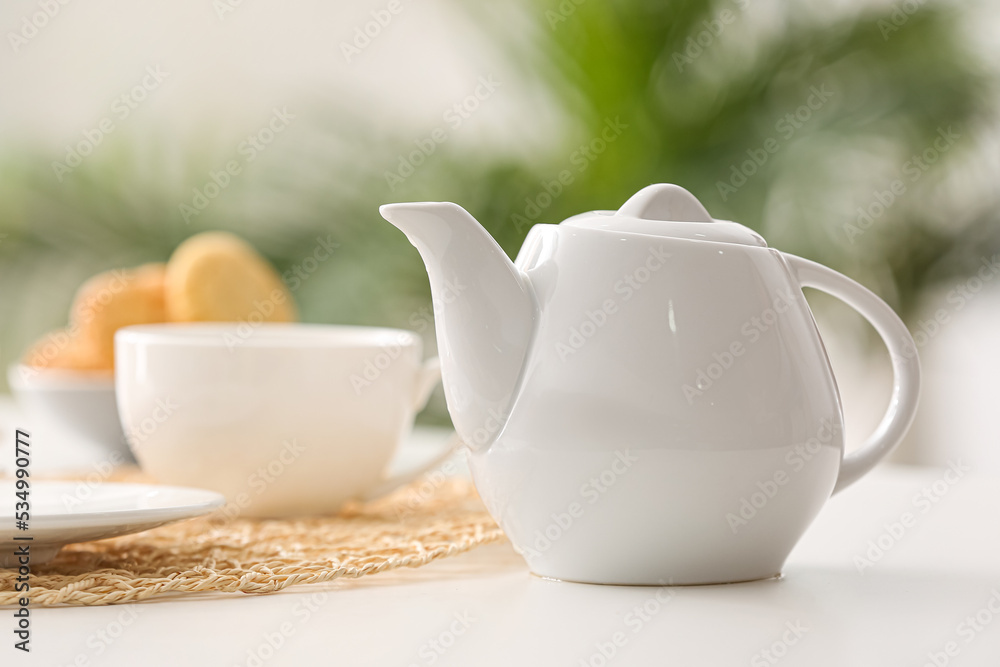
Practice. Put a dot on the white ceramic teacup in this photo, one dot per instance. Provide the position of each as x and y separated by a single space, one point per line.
282 419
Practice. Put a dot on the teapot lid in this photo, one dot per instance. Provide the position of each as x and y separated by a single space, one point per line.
667 210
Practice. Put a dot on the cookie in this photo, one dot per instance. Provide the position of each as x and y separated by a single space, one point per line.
116 299
63 349
219 277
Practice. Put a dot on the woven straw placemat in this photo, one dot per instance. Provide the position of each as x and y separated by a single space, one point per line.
420 523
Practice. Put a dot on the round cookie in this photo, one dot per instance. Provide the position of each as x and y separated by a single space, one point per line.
63 349
219 277
116 299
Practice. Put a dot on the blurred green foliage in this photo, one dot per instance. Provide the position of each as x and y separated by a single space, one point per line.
696 89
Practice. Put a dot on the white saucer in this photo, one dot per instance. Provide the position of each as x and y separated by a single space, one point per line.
69 512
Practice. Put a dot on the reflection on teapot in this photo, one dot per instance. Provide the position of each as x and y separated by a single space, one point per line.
644 392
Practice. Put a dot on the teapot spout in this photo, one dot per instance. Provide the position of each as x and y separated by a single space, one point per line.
484 311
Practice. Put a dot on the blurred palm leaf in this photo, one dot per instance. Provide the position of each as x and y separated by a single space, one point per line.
691 116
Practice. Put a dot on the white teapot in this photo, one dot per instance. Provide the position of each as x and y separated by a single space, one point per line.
644 392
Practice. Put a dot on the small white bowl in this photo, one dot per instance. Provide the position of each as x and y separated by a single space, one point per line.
81 402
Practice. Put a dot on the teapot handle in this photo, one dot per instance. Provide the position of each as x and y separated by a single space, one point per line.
902 353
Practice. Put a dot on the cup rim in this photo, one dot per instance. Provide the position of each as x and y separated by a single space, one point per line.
265 335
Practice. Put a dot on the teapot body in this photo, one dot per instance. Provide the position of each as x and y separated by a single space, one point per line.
644 392
677 420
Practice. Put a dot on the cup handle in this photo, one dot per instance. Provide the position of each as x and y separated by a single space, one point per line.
902 352
428 378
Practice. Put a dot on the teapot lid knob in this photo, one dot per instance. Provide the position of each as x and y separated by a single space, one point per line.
666 211
666 202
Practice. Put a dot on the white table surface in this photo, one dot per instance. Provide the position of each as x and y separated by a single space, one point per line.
484 608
